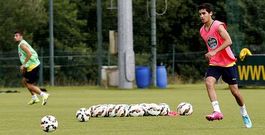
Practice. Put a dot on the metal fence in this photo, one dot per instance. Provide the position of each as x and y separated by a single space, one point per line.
78 68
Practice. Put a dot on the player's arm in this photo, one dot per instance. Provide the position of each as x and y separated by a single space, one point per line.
227 41
29 54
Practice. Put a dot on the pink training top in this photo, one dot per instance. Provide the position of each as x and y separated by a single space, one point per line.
213 40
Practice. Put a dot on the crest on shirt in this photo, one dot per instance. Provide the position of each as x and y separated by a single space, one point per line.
212 42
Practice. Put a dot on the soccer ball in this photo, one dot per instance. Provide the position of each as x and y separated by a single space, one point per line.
100 110
136 110
184 109
121 110
110 111
82 115
164 109
151 109
49 123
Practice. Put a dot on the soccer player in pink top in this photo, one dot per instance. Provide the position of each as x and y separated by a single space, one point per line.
221 62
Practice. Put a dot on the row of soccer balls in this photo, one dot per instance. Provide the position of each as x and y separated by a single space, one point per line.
122 110
49 123
134 110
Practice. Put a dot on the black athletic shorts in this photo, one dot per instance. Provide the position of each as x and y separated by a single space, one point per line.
32 76
229 74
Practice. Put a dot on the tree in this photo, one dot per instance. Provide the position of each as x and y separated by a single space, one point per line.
26 15
252 24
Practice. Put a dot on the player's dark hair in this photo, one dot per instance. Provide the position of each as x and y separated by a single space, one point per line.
207 6
19 32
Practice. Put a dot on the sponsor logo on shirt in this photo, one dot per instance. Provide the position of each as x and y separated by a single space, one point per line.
212 42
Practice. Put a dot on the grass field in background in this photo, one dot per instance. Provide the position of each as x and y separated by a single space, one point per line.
16 117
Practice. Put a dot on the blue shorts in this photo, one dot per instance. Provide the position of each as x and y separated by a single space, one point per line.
229 74
32 76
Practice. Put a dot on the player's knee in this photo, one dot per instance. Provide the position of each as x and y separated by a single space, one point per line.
24 82
209 82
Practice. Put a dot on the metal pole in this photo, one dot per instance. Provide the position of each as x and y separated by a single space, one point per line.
125 45
51 44
99 35
173 63
234 20
153 39
41 67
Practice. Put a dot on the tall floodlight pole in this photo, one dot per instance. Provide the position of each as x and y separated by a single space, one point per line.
99 35
126 59
233 19
153 39
173 63
51 43
41 67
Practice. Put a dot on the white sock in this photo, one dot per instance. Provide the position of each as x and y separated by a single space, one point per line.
216 107
34 97
42 94
243 110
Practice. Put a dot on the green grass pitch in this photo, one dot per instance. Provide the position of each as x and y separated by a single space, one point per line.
16 117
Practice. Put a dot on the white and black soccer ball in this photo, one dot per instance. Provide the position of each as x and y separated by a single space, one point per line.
154 109
184 109
122 110
135 110
49 123
164 109
110 111
150 109
90 110
100 110
145 107
82 115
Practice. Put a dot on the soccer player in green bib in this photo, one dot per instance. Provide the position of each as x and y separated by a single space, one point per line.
29 69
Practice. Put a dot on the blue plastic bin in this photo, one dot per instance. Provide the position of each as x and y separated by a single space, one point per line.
161 77
143 76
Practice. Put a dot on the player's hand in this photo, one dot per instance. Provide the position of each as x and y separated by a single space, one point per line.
22 69
210 54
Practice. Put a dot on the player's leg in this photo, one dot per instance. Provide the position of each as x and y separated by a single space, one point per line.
210 86
31 81
37 90
243 111
230 76
24 82
34 99
212 75
236 93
